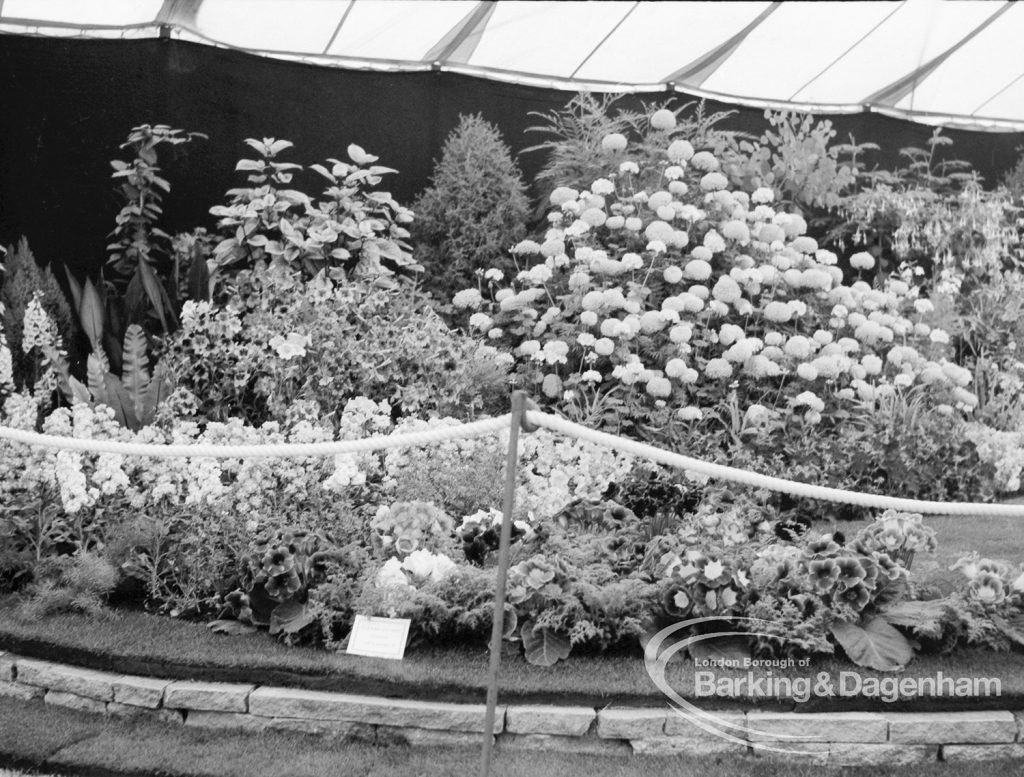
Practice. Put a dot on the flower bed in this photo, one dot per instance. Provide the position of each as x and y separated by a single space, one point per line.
676 297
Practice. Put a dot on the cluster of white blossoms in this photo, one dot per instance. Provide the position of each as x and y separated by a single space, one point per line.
683 285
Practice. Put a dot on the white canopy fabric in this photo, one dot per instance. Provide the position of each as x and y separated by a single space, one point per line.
951 62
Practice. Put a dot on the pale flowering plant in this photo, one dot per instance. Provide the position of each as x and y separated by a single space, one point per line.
403 527
898 534
647 300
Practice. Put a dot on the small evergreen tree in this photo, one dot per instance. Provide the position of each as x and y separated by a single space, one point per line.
475 210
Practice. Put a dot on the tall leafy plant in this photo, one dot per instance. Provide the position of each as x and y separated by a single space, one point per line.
139 248
351 231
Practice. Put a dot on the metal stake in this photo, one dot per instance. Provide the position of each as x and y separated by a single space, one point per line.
498 628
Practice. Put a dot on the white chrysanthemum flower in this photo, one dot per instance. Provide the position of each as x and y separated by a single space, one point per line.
718 369
726 290
730 333
713 182
735 230
614 141
604 346
469 298
659 387
629 167
689 414
808 399
862 260
705 161
556 352
480 321
924 306
529 348
680 151
777 312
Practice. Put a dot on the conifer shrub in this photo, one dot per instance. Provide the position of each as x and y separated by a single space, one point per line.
474 211
21 279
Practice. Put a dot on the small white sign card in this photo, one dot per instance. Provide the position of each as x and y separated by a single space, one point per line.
379 637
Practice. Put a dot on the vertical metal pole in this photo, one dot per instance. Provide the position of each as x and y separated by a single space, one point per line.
511 465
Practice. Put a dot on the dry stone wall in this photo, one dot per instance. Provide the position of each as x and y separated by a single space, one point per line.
835 739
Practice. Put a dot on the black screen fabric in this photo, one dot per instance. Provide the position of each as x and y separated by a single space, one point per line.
66 105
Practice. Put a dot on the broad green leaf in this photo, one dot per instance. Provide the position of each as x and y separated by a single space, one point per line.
135 368
76 288
875 644
79 390
154 291
96 368
290 617
232 628
543 647
120 401
251 165
90 315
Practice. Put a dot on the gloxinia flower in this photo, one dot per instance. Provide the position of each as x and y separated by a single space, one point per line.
988 588
851 572
856 596
824 573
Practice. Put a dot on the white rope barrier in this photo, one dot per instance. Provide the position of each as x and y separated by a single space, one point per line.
757 480
488 426
264 450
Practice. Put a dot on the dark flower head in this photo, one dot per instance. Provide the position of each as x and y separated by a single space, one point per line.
824 573
278 561
283 586
825 546
856 596
851 572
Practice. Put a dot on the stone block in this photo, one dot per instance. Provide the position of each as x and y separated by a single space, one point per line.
537 719
67 679
208 697
961 753
71 701
132 712
8 661
950 728
318 705
224 721
728 722
631 723
783 727
140 691
19 691
870 754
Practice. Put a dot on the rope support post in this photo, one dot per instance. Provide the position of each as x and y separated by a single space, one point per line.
520 404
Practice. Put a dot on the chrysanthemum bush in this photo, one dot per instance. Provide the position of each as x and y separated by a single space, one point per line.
657 291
